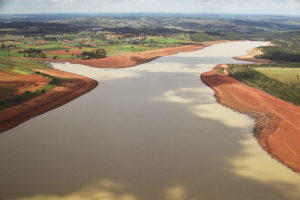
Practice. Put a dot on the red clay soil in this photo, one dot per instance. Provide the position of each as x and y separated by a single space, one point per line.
277 122
4 76
130 60
21 83
56 97
31 82
133 59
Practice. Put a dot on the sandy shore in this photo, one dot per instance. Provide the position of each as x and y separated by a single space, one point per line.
251 55
276 121
13 116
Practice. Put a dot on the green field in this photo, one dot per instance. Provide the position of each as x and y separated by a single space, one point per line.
28 65
85 41
290 76
279 82
281 78
162 40
124 49
83 37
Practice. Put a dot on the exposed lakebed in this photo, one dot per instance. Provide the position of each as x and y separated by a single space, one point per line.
151 132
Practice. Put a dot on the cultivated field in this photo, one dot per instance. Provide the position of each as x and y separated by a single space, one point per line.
20 80
277 81
290 76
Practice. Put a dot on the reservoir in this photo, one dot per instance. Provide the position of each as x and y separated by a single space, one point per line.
150 132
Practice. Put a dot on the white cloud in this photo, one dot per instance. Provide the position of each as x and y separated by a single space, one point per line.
170 6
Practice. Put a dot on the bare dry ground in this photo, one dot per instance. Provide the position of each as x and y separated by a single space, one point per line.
18 84
132 59
277 122
56 97
80 85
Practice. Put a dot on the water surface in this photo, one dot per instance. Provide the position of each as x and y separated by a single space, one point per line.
152 132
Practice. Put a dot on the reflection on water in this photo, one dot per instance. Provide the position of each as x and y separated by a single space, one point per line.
175 193
247 164
201 102
105 189
150 132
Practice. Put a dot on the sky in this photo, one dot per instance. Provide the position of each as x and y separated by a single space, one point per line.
277 7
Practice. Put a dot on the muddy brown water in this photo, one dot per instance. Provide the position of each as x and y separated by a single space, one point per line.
151 132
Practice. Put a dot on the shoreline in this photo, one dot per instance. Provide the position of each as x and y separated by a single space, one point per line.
13 116
275 120
132 59
250 57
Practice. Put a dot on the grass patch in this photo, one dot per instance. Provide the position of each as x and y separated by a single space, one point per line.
164 40
202 37
220 70
55 81
10 54
22 71
23 64
125 49
252 77
290 76
25 67
15 100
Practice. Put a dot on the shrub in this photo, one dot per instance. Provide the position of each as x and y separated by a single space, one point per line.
99 53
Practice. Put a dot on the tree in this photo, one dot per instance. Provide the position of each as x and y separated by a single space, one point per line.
99 53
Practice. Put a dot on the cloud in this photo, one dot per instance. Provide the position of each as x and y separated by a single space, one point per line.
61 1
169 6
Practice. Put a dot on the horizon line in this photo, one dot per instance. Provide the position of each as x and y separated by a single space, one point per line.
161 13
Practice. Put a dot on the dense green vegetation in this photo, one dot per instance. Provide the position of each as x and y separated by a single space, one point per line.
281 77
72 36
32 52
284 51
29 28
251 75
215 23
99 53
84 41
117 34
213 36
202 37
